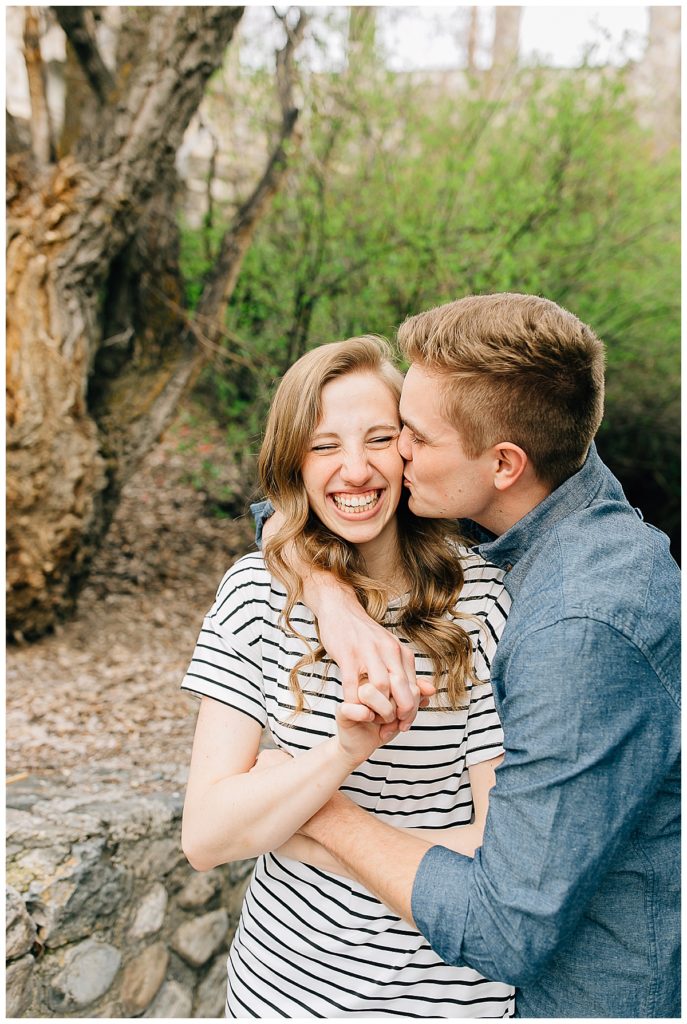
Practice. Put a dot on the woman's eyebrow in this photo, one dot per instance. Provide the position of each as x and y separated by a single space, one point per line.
384 426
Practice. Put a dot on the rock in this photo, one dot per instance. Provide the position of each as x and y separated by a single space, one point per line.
36 865
212 991
21 801
86 893
20 931
134 817
197 940
200 889
18 986
142 978
156 859
151 913
173 1000
30 830
89 971
236 897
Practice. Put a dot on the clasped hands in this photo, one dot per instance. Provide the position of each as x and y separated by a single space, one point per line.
370 715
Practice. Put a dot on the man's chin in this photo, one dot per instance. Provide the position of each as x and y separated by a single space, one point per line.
417 508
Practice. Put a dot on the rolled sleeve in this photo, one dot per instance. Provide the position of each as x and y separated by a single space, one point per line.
443 927
590 733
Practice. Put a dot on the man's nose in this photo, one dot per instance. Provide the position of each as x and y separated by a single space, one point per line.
404 447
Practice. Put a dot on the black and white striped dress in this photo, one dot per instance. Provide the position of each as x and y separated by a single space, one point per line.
314 944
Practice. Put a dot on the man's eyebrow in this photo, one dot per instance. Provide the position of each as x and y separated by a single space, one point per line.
409 425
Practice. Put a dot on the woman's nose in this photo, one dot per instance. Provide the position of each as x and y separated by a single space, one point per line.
355 468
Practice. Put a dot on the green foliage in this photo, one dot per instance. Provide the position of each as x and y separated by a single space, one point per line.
406 194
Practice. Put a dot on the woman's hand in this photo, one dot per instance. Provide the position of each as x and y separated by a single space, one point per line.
360 732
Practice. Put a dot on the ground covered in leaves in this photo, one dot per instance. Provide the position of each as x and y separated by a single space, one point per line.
103 690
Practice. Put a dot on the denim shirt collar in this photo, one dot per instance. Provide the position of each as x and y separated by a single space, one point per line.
515 549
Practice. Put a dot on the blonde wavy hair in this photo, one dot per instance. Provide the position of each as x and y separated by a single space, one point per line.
427 547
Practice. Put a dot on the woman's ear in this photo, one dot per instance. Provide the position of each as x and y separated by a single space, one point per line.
510 463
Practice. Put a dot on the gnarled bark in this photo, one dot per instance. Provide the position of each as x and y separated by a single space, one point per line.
65 232
99 347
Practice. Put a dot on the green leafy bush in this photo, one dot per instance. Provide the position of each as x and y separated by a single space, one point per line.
406 194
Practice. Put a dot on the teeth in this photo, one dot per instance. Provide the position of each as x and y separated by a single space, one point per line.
356 501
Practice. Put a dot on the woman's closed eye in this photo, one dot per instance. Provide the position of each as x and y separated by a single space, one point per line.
324 449
382 441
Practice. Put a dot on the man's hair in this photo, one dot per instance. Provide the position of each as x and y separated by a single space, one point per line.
515 368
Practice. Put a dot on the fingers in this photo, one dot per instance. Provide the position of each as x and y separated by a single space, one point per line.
403 688
389 731
426 688
268 758
369 695
355 712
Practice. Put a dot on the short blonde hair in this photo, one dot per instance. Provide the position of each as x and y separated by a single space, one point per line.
517 368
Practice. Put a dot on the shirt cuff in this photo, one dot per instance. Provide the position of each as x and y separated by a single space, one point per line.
439 901
261 511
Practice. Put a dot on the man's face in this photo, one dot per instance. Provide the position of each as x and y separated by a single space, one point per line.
443 482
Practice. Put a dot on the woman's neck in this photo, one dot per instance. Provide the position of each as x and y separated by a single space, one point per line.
383 563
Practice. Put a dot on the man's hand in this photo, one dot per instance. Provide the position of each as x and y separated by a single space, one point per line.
326 819
376 668
269 758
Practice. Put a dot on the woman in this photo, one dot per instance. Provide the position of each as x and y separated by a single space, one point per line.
310 941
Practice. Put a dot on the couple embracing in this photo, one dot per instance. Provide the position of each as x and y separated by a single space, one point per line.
464 642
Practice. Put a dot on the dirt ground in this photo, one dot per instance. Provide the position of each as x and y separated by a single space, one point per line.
103 690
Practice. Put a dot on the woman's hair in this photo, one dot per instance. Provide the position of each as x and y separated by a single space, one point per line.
427 547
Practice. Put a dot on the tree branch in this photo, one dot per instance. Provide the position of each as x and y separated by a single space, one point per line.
238 236
77 24
41 130
284 60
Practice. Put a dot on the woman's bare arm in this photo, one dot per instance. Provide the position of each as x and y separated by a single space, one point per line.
232 812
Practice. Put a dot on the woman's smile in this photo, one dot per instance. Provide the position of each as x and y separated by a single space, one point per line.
357 504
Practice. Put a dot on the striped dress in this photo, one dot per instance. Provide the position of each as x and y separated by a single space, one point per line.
310 943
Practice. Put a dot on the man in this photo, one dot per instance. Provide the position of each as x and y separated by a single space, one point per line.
574 895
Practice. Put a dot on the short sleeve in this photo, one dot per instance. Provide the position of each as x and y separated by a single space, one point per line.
227 661
484 732
486 600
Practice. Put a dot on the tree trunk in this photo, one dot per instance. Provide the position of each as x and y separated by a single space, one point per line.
66 231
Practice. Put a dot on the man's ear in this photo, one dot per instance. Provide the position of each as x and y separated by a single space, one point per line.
510 463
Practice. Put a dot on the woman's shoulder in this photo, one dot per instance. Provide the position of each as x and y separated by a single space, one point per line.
250 565
247 575
483 592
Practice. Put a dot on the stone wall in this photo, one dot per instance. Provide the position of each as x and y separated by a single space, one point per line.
105 917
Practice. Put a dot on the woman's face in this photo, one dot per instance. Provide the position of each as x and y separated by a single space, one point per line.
352 472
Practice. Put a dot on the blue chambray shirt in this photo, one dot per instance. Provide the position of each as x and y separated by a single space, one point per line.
574 895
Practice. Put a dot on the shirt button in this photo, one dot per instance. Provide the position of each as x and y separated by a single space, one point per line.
508 567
